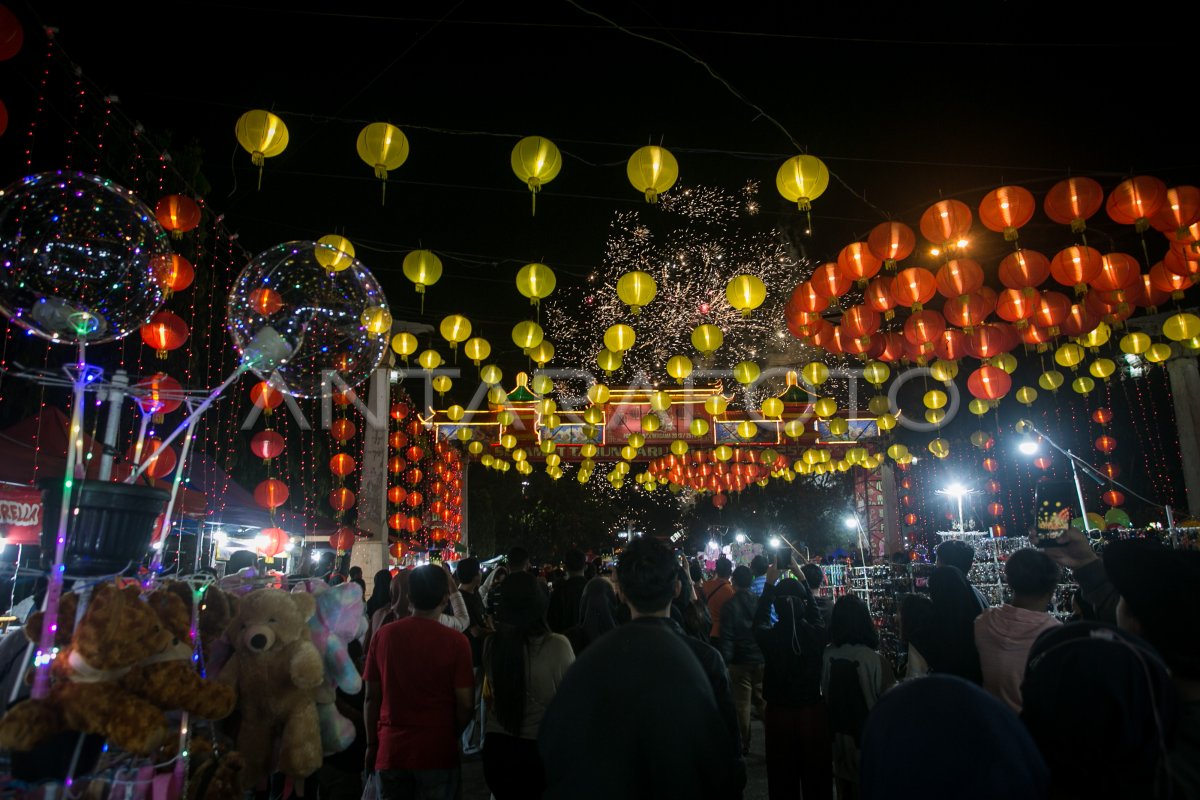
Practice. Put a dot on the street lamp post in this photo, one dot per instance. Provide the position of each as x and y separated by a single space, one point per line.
852 522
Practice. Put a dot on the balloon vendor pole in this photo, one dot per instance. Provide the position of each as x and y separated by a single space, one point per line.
81 376
141 439
115 395
184 452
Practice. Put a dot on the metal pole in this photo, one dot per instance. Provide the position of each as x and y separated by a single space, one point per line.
1087 527
116 398
962 524
184 451
12 598
1170 527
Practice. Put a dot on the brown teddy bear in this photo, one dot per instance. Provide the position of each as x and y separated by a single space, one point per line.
117 632
217 607
169 680
277 670
213 774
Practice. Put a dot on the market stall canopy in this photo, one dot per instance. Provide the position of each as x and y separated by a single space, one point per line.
36 448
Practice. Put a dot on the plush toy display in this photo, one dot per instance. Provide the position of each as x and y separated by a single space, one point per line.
339 620
217 607
277 672
88 693
213 775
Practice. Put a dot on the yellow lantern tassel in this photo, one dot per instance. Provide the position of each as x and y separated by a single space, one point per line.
381 173
260 175
534 186
651 197
421 291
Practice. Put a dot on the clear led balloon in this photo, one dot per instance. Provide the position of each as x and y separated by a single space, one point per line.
316 313
82 260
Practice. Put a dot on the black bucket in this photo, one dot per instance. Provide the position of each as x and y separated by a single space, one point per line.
112 530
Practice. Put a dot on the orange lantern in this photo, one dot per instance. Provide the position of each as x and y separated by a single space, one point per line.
342 499
415 453
1177 262
266 445
164 332
1106 444
923 328
860 321
265 396
891 242
1052 309
913 287
719 500
966 311
828 281
1179 211
1043 462
396 549
396 522
177 214
343 430
1117 272
1080 320
343 399
266 301
414 499
951 345
1168 283
1113 498
342 464
1013 305
858 263
986 341
946 222
396 465
1102 416
413 476
397 439
993 486
160 394
396 494
161 460
1135 200
342 539
1006 209
1034 335
878 295
413 524
990 464
910 519
805 298
271 493
1076 266
1110 470
399 411
271 542
958 277
176 275
1073 201
989 383
1024 270
996 509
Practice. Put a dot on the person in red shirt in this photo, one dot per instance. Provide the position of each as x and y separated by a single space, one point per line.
718 590
420 692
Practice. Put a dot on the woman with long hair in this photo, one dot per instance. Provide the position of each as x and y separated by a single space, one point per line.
948 640
397 607
597 610
523 664
381 589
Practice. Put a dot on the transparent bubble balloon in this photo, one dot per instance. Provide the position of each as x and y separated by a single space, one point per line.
312 318
81 258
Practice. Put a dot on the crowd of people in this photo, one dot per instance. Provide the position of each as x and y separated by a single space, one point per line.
643 682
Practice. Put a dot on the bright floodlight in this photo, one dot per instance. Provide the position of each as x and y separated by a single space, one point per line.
775 541
712 544
1028 446
956 490
851 522
741 538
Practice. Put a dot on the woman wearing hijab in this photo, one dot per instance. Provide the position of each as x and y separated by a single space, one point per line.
596 614
523 664
948 640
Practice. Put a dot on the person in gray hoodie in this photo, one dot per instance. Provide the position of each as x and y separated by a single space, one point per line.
1004 634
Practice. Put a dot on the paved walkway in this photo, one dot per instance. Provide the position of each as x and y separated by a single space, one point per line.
474 787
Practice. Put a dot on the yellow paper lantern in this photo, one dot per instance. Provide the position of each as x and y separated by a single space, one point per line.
978 407
944 371
636 440
464 434
1097 336
541 384
527 335
475 448
619 337
608 361
715 405
455 412
706 339
1178 327
441 384
384 147
886 422
551 421
519 455
940 448
1135 343
772 408
801 180
636 289
746 293
652 170
825 407
588 450
377 320
404 344
455 329
1004 361
628 453
491 375
1102 368
679 367
334 252
1083 384
547 446
793 428
746 430
1069 355
746 372
651 422
817 373
261 134
598 393
980 439
545 406
879 404
430 359
897 451
698 427
1158 352
1026 395
934 416
477 349
424 269
542 354
498 397
660 401
535 281
536 161
508 441
875 373
839 426
679 447
594 415
1050 380
487 459
935 398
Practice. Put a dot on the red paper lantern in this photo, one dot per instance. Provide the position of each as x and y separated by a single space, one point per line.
891 242
396 494
805 298
399 411
1179 211
343 399
1117 271
828 281
1024 270
1080 320
343 430
1043 462
923 328
1144 293
396 549
945 222
415 453
177 214
1110 470
162 461
266 445
342 464
993 486
1076 266
1102 416
164 332
342 539
1113 498
858 263
265 396
1177 262
414 499
1014 305
1169 283
270 542
1052 309
913 287
951 345
1106 444
158 394
413 524
989 383
177 274
396 522
997 531
958 277
878 295
342 499
413 476
719 500
397 439
860 321
966 310
1073 201
266 302
1135 200
1006 209
12 35
990 464
996 509
271 493
396 465
910 519
986 341
414 427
